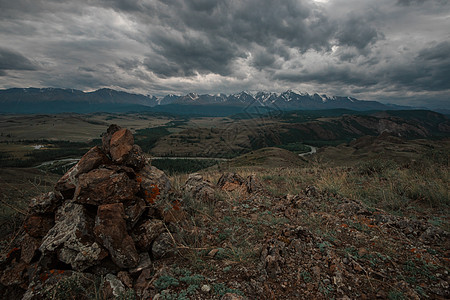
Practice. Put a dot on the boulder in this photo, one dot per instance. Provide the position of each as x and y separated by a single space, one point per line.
71 238
104 186
110 229
45 203
146 233
91 160
198 188
120 145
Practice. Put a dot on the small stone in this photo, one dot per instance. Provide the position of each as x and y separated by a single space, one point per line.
198 188
362 252
206 288
144 263
213 252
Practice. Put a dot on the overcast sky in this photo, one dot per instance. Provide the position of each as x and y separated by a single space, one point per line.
395 51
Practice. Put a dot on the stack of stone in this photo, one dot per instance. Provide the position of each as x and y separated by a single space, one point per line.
102 219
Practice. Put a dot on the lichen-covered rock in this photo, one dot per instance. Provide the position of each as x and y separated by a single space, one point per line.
146 233
91 160
38 225
163 246
154 182
110 229
71 238
120 145
198 188
103 186
45 203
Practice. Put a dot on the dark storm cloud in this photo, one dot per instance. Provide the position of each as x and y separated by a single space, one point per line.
357 32
369 49
11 60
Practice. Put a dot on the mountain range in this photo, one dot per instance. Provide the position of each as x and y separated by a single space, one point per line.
55 100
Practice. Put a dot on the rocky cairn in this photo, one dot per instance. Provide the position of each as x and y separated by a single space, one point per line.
102 219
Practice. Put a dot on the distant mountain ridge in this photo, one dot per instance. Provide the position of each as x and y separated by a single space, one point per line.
29 100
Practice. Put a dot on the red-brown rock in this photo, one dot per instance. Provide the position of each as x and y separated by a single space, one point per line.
91 160
104 186
121 144
110 229
106 137
38 225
